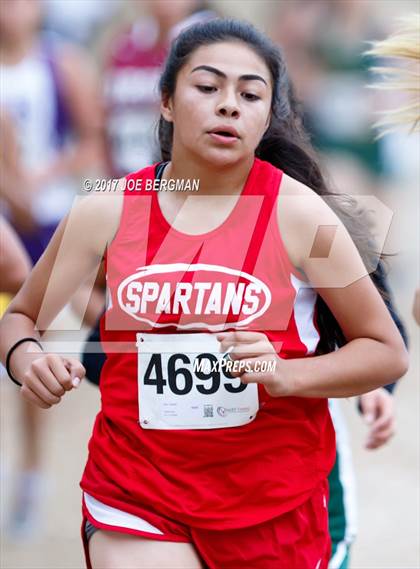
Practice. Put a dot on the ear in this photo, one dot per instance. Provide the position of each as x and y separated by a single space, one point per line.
166 108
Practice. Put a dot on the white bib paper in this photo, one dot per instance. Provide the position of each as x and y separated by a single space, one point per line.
181 384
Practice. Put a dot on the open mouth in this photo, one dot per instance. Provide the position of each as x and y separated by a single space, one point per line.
224 133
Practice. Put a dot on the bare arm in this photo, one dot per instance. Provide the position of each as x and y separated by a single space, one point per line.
13 183
14 261
74 253
92 310
80 90
375 354
83 99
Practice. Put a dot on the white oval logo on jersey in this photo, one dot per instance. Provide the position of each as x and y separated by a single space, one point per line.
146 295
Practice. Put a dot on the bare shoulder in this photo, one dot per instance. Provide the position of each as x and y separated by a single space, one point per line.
299 201
315 238
95 218
300 212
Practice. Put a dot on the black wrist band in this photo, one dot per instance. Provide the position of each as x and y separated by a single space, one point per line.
10 352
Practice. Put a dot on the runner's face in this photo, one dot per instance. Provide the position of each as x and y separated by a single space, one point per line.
221 106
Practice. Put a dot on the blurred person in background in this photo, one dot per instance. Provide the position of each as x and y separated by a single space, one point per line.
400 58
78 22
325 41
324 44
14 260
15 266
132 65
49 106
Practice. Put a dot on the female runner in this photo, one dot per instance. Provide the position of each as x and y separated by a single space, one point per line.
195 462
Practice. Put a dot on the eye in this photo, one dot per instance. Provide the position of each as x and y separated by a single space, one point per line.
250 97
206 88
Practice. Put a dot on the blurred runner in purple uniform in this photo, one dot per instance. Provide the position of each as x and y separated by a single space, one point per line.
49 101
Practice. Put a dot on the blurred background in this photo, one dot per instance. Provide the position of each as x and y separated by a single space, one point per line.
78 99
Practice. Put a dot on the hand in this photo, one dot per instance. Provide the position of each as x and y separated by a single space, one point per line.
379 413
255 361
49 377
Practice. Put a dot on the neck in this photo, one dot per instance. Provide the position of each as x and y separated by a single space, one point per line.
214 179
15 50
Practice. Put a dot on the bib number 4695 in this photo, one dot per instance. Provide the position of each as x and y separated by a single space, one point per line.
180 378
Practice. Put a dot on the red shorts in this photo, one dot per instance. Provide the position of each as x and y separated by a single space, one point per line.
298 539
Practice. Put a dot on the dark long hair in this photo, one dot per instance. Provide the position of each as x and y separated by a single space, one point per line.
285 144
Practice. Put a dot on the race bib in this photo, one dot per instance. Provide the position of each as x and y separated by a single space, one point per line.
183 385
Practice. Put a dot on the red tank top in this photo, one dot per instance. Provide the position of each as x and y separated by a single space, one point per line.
181 289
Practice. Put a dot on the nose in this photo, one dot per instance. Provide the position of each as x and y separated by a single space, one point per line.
228 107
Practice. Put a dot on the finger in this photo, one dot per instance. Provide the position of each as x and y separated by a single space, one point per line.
251 370
384 407
382 433
43 372
241 336
243 348
51 384
384 414
253 377
380 437
372 444
247 351
236 368
379 440
383 422
77 371
228 339
368 406
38 388
58 367
33 398
226 345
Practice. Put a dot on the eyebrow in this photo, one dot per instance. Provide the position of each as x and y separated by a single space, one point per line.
246 77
